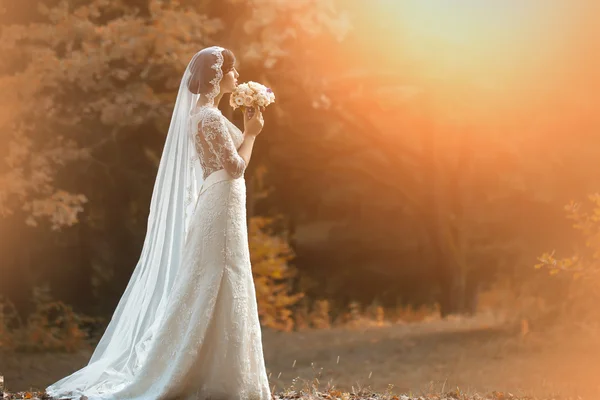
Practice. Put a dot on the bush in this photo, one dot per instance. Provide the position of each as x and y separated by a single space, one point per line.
273 276
578 274
53 326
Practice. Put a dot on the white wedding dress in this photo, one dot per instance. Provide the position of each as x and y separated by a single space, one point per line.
206 344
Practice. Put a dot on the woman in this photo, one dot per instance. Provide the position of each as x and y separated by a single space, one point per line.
187 325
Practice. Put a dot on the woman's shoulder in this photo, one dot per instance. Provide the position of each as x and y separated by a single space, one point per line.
206 113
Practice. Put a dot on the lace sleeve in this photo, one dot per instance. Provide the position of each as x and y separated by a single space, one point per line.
220 143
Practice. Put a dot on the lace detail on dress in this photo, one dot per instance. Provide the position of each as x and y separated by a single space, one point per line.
214 92
217 52
194 332
192 161
217 142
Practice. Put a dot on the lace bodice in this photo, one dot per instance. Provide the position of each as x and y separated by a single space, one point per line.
217 140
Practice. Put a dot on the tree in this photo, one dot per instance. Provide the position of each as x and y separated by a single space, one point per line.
90 86
89 94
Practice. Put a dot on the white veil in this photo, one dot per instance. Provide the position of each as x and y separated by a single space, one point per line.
123 346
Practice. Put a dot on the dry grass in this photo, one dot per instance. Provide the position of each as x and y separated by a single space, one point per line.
472 354
436 359
312 392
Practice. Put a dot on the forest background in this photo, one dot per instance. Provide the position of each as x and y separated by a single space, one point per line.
418 156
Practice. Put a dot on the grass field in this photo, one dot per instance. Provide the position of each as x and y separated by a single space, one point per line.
474 355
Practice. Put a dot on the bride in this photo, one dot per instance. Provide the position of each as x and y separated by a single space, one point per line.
187 324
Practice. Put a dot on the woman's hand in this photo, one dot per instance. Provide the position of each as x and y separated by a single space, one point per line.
253 121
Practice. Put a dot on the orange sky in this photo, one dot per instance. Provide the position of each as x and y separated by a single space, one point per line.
515 57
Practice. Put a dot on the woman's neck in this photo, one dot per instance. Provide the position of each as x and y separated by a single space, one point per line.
203 101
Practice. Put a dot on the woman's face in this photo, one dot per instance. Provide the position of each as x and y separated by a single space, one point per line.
229 81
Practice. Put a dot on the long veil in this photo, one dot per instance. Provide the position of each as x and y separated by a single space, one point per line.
123 346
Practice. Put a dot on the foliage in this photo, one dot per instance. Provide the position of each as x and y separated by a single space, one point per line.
92 71
420 178
75 82
318 314
273 276
89 87
52 326
278 31
581 271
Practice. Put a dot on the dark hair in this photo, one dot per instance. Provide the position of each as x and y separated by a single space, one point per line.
203 68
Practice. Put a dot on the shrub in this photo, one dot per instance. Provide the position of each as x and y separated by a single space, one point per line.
579 273
273 276
52 326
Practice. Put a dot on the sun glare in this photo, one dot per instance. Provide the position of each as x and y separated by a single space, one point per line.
508 53
468 21
472 34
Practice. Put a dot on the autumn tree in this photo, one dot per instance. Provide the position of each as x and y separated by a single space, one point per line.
89 87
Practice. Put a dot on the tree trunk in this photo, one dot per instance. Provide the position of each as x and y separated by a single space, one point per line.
452 285
445 198
433 213
471 296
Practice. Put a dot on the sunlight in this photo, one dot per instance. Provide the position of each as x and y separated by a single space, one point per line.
504 54
473 34
467 21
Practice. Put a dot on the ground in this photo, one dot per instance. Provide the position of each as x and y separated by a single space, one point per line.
434 356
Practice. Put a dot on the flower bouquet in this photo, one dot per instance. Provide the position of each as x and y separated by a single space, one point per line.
251 95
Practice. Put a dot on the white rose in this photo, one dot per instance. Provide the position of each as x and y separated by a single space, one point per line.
239 101
248 100
255 86
260 102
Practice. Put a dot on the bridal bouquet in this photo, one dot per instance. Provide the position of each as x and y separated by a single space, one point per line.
251 95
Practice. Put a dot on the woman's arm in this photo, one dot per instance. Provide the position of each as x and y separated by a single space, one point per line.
217 136
220 143
252 127
245 150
